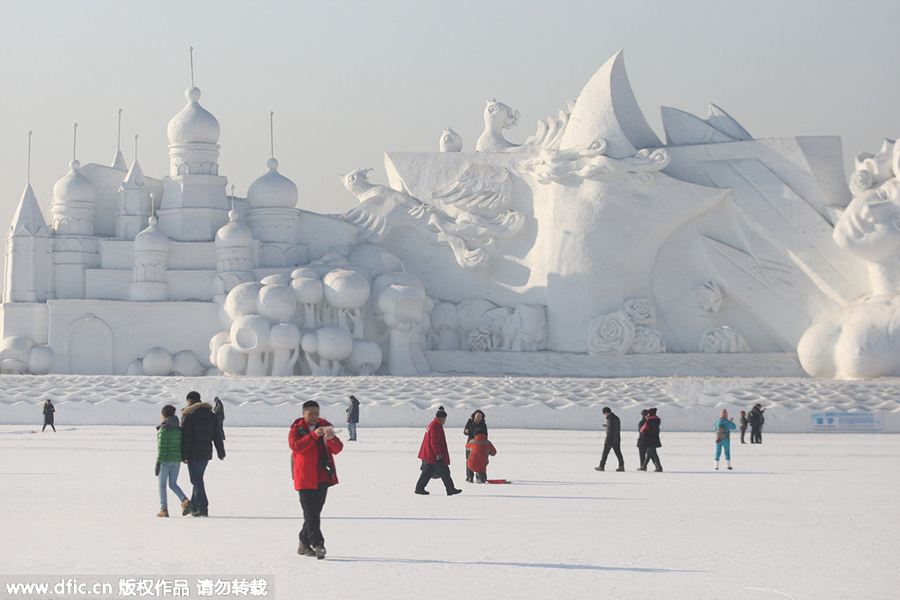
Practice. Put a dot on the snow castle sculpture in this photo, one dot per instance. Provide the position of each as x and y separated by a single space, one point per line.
590 248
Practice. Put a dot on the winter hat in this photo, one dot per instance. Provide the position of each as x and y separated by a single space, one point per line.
440 414
724 414
651 412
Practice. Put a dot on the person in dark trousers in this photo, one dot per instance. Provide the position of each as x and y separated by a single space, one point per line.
352 417
756 420
435 456
743 425
613 440
219 411
476 425
199 432
642 449
49 409
313 446
650 439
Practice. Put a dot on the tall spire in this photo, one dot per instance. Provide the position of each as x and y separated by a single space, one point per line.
118 162
191 50
74 140
272 133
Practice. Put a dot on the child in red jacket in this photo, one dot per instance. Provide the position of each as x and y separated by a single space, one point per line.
479 450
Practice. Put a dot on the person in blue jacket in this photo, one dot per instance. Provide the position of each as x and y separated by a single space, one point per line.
723 428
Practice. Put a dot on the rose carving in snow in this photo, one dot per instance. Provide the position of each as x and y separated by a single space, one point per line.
610 334
480 339
647 340
708 298
723 340
640 310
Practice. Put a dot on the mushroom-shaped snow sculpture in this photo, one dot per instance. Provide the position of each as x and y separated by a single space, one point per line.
365 359
250 335
400 298
309 293
284 343
276 279
277 303
216 342
230 360
157 362
186 363
334 345
41 360
347 291
243 300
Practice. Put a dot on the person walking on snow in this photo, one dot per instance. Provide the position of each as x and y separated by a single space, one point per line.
743 422
435 456
168 461
479 449
199 432
49 409
352 418
650 439
613 439
476 425
219 411
723 428
642 449
313 446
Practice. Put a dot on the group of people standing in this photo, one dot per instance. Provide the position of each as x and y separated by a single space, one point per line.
648 436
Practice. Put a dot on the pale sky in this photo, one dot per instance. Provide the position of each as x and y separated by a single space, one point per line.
349 80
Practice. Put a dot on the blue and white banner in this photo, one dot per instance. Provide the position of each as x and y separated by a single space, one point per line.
848 421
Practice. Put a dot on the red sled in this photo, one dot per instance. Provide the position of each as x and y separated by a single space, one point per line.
498 481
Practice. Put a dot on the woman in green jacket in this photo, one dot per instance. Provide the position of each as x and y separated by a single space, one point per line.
168 461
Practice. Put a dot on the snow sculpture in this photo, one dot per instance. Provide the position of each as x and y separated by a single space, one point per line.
721 340
477 199
860 339
631 329
341 315
512 248
159 362
19 354
450 141
497 117
708 298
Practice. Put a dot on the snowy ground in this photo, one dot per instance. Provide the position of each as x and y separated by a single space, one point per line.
810 516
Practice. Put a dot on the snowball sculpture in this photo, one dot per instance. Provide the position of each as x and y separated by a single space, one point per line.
159 362
19 355
340 315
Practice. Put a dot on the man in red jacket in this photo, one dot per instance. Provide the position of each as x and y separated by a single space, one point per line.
313 445
435 456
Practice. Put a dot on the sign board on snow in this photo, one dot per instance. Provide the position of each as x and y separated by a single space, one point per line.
848 421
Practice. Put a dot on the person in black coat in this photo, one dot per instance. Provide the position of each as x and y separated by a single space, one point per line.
352 417
650 439
756 420
219 411
49 409
642 450
613 439
476 425
199 432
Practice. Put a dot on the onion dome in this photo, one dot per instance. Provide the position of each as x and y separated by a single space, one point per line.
151 239
272 190
233 234
74 187
193 124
